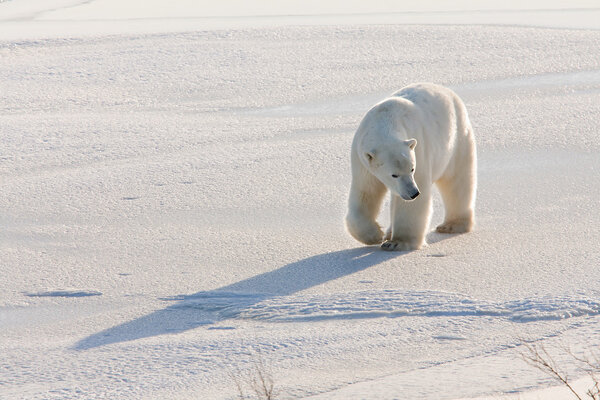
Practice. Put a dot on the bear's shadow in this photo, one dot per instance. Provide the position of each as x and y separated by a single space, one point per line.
206 308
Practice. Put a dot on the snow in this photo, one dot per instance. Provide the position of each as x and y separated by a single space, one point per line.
35 19
174 181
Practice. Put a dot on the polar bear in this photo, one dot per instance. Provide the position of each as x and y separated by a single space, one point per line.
418 136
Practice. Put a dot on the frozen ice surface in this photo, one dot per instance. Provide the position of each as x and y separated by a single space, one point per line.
173 199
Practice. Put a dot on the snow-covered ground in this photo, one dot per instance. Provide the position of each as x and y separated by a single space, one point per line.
173 183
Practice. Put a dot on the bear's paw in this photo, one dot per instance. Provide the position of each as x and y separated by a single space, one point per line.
458 226
399 245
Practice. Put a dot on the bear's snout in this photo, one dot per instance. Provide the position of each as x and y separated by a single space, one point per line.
414 196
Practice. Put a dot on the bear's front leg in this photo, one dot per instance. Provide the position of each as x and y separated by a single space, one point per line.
388 234
363 229
410 220
366 195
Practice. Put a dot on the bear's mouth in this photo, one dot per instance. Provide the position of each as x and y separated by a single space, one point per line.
410 197
408 193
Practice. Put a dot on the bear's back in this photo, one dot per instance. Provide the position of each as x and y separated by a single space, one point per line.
429 97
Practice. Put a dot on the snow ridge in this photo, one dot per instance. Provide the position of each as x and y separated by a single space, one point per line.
385 304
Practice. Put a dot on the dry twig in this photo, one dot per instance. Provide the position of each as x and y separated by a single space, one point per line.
538 357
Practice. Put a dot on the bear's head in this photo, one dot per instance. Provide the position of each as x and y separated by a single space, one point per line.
394 165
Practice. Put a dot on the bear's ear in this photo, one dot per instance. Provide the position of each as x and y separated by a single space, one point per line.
411 143
370 155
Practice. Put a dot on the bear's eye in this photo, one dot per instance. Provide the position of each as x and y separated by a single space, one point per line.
394 176
412 170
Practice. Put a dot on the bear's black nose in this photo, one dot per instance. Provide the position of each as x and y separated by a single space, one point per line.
414 196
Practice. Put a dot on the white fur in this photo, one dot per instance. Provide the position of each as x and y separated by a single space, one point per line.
425 127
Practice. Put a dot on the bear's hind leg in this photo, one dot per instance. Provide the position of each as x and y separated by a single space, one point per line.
458 194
